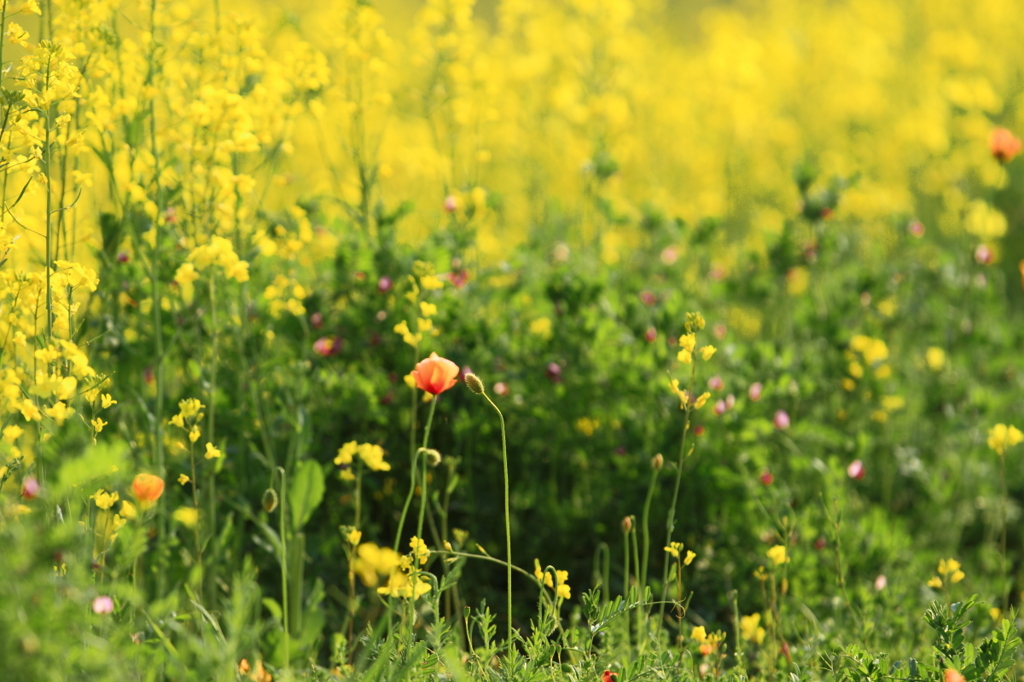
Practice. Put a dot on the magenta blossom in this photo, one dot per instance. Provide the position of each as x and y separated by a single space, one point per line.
103 605
856 470
755 390
326 346
30 488
781 420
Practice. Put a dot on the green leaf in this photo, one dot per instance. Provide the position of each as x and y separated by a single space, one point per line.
306 492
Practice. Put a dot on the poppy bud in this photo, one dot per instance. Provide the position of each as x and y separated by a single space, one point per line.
269 500
433 457
474 384
657 462
627 524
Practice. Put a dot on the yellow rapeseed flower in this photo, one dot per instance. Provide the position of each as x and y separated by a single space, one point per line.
778 554
1002 436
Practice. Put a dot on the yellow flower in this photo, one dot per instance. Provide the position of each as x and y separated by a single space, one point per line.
189 408
681 393
951 568
684 356
128 510
541 327
936 582
1002 436
354 536
103 499
562 590
60 412
372 562
690 556
186 516
750 628
29 411
699 633
98 424
402 329
106 400
420 552
706 352
373 456
694 322
935 358
701 399
430 282
674 549
183 479
194 433
12 432
212 452
778 554
542 575
346 453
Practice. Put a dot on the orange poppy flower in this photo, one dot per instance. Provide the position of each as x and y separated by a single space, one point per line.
435 374
147 489
1004 145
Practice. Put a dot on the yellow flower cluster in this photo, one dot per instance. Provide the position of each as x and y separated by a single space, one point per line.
560 584
949 570
371 454
675 549
371 563
1002 436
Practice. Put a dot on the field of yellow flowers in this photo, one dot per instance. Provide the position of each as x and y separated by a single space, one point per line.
564 340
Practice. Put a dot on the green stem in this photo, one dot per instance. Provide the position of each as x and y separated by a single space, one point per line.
671 523
284 569
636 569
423 472
645 557
1002 542
508 522
412 482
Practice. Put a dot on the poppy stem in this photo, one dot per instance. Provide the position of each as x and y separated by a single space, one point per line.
423 474
508 524
412 474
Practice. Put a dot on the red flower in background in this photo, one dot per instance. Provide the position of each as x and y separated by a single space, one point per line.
1004 145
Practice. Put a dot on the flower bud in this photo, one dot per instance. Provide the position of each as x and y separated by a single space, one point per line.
627 524
30 488
474 384
269 500
657 462
781 420
755 390
433 457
